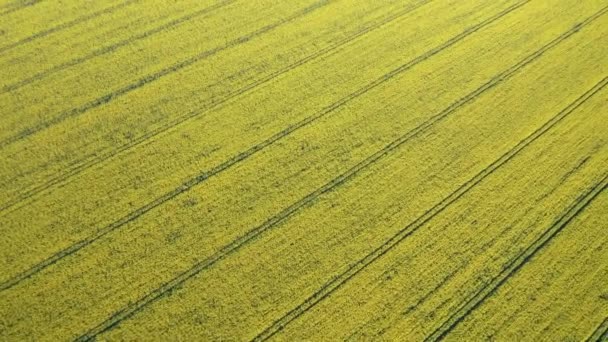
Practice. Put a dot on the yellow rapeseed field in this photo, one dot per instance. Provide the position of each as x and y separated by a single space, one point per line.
304 170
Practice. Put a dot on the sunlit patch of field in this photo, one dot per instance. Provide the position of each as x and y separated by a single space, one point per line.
304 170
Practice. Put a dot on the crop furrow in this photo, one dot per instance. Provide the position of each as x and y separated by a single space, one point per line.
15 7
601 332
519 261
153 133
244 155
64 26
338 281
148 79
108 49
